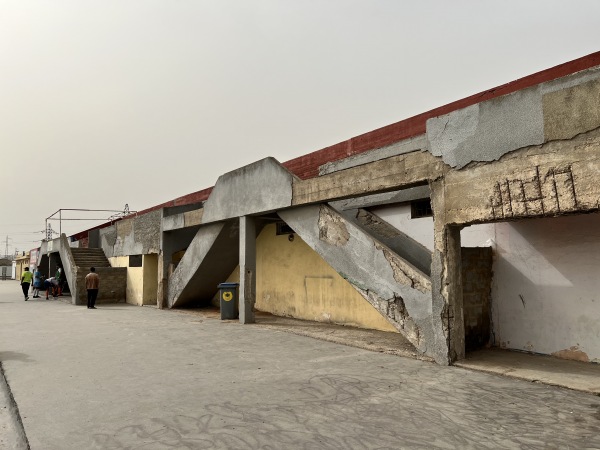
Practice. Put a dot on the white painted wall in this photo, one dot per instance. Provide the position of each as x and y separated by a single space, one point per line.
546 286
421 230
553 264
398 215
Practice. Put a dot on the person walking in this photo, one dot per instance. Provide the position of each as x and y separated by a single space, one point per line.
37 283
26 280
92 282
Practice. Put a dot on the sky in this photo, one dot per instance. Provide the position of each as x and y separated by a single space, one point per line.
111 102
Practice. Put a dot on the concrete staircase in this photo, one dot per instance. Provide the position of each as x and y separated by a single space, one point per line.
89 257
77 262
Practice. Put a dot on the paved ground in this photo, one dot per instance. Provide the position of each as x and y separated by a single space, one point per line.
130 377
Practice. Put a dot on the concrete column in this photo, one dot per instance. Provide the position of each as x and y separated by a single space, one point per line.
446 283
247 289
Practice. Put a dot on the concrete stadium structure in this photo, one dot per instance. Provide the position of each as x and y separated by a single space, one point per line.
472 224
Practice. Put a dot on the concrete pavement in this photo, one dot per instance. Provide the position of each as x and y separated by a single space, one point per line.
135 377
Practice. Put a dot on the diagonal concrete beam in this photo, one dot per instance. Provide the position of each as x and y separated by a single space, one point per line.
399 291
209 259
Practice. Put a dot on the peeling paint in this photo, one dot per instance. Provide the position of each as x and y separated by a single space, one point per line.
332 229
572 353
404 273
372 222
395 311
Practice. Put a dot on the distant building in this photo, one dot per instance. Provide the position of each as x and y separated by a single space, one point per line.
22 261
6 269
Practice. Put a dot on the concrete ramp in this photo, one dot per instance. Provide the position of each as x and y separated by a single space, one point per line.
396 288
208 261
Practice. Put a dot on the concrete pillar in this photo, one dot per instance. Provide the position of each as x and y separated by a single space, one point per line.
446 283
247 289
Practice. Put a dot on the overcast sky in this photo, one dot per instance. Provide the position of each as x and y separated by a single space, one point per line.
109 102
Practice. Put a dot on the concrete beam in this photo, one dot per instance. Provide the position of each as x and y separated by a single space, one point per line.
183 220
448 344
559 177
180 289
386 198
402 244
390 174
247 288
261 187
397 148
400 292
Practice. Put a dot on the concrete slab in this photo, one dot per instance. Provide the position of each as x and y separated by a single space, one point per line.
124 376
538 368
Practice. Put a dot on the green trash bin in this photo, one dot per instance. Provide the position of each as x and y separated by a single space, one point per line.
228 300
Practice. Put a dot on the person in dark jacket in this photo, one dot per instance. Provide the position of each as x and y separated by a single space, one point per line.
92 282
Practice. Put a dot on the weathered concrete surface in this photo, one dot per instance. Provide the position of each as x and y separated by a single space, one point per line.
484 132
208 261
263 186
402 244
223 385
556 178
182 220
399 291
398 148
385 198
448 338
488 130
537 368
135 236
247 262
380 176
571 111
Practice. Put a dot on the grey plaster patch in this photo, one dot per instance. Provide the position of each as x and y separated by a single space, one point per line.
260 187
486 131
398 148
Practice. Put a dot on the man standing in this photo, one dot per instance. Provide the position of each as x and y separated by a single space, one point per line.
92 281
26 279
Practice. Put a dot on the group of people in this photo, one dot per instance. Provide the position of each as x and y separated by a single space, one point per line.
55 285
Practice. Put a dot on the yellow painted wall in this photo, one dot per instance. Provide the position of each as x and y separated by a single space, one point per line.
150 266
135 280
293 280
